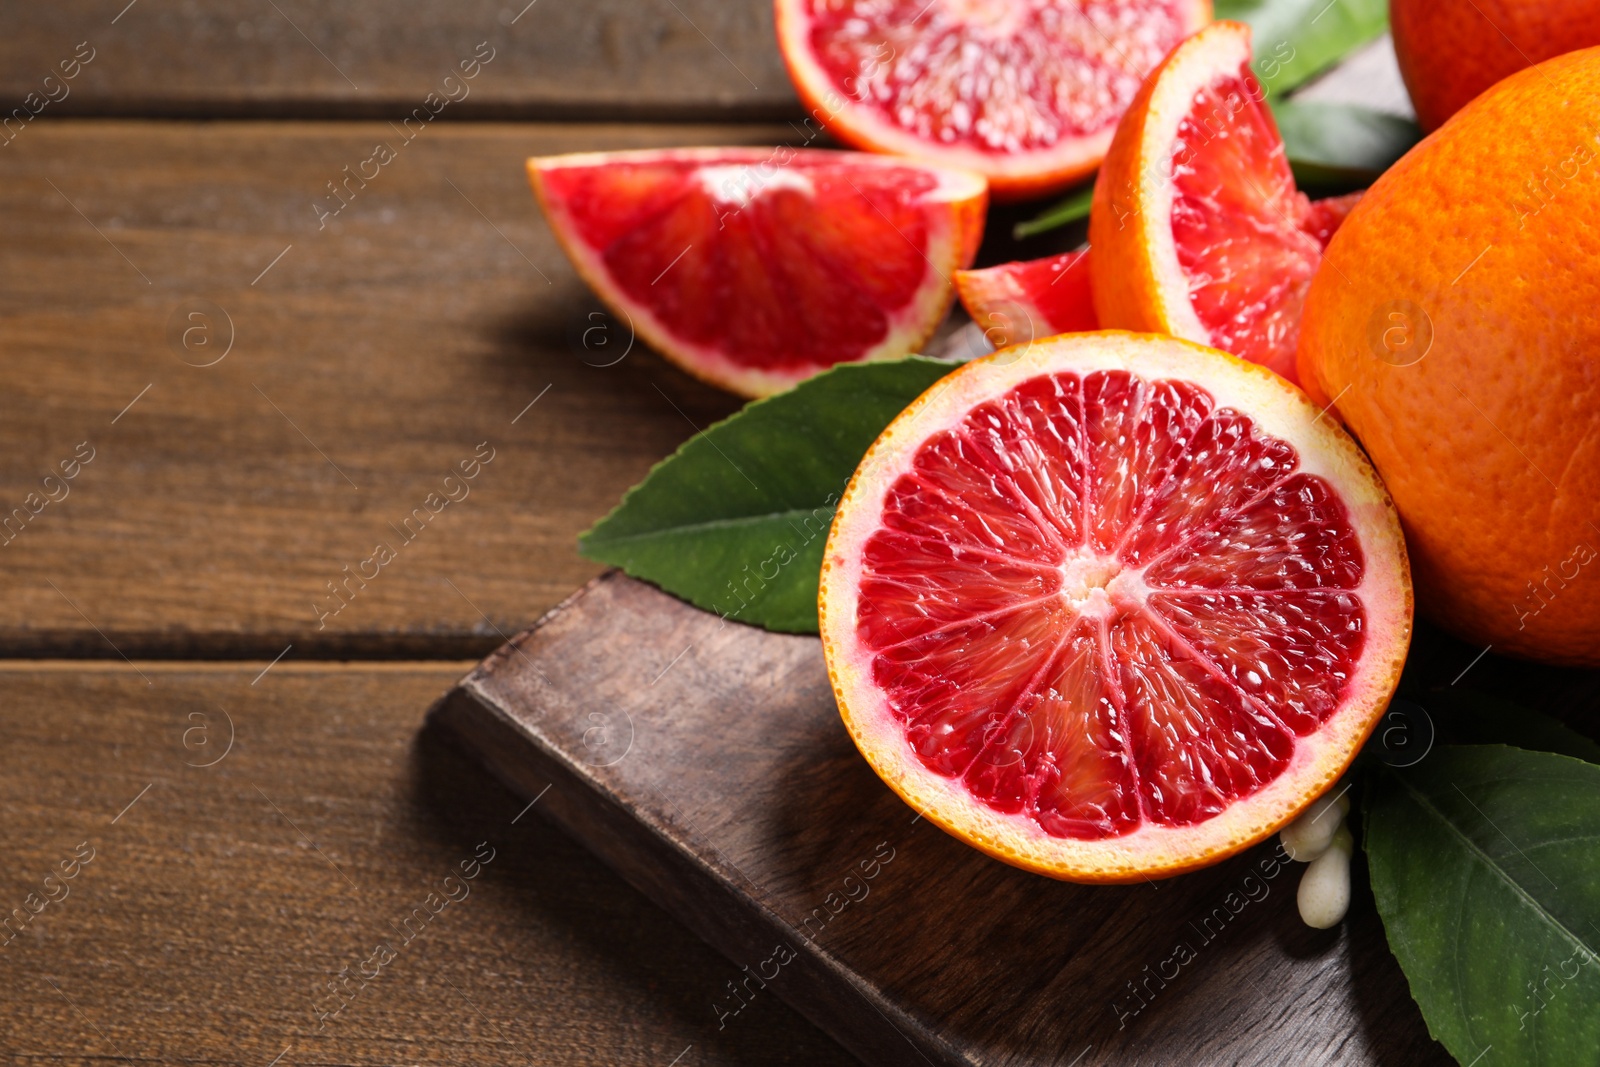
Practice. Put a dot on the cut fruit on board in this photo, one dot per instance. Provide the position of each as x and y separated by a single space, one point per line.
1197 227
756 268
1025 92
1015 303
1113 606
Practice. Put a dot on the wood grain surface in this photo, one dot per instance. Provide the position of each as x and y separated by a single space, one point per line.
231 371
707 764
657 59
370 357
219 902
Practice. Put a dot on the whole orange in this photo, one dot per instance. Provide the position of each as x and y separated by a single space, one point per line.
1455 326
1452 50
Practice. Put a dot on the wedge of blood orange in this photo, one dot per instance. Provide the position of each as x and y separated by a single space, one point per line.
1197 226
1025 92
1113 606
1015 303
755 268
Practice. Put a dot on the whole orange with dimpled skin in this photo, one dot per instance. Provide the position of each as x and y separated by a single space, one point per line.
1452 50
1490 441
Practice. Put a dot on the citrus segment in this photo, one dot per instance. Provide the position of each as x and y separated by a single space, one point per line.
755 268
1112 606
1025 92
1016 302
1197 225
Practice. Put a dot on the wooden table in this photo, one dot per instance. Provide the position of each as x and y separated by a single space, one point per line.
255 394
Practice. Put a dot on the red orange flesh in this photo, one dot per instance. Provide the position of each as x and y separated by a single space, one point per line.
1014 303
1111 606
1197 226
1025 92
756 268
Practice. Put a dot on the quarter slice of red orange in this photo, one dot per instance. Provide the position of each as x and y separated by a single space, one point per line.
1197 227
755 268
1113 606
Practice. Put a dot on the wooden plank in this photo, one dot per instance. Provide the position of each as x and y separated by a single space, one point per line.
709 767
678 59
221 901
370 358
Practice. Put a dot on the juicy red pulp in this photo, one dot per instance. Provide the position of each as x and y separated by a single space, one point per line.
1247 240
997 76
782 266
1018 302
1103 601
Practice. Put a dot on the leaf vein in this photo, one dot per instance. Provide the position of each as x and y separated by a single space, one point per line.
736 522
1475 850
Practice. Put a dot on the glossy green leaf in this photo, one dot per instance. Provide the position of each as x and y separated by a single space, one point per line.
1341 146
1484 864
1073 208
736 519
1296 39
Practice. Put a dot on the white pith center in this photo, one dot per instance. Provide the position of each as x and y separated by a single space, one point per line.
740 184
1093 584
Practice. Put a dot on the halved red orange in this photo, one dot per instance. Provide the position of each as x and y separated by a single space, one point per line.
1197 227
1017 302
1113 606
756 268
1025 92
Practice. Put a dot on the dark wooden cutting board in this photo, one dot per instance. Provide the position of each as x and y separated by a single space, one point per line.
706 763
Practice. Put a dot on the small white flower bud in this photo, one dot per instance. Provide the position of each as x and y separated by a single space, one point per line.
1324 894
1309 835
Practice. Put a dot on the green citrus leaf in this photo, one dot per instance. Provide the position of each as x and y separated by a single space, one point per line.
1341 146
1484 861
735 520
1073 208
1295 39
